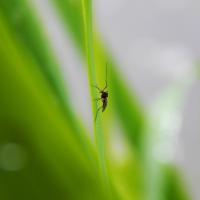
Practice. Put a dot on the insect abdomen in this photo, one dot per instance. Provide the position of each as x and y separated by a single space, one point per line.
104 105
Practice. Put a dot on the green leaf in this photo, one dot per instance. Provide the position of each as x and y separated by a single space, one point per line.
54 165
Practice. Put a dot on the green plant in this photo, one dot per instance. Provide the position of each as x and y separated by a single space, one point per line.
36 114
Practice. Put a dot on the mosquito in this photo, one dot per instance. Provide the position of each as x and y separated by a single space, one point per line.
103 98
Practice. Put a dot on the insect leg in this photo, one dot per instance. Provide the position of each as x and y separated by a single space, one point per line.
97 99
96 87
97 112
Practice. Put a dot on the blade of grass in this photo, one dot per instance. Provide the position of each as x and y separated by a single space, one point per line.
27 101
88 27
25 26
174 187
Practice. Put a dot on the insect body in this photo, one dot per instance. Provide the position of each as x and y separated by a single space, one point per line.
103 98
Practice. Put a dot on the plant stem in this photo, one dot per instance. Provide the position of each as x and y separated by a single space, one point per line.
88 27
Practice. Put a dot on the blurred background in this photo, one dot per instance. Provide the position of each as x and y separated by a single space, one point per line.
156 47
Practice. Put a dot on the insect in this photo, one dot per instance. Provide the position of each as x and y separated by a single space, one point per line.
103 98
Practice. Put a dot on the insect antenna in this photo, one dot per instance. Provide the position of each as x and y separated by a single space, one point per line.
106 74
106 77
